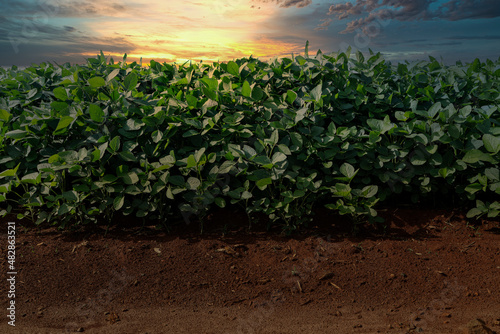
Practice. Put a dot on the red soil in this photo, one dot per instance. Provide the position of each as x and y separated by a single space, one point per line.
429 272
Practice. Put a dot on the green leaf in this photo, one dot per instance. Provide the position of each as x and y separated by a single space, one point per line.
130 81
226 167
60 93
262 184
70 195
192 183
297 139
32 178
249 151
474 212
103 97
342 190
220 202
278 157
492 174
118 202
263 160
491 143
130 178
10 172
246 195
31 93
418 159
157 135
96 82
210 83
436 107
291 96
4 115
16 134
192 101
191 161
198 154
113 74
474 156
212 94
369 191
316 92
348 170
284 149
59 106
233 68
176 180
246 90
81 188
473 188
381 126
274 137
257 93
108 178
114 145
64 209
64 122
96 113
141 213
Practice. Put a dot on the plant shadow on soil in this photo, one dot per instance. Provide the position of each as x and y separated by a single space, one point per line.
232 225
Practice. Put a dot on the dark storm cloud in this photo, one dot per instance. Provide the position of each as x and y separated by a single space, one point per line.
28 30
411 10
59 8
286 3
470 9
28 39
89 8
71 51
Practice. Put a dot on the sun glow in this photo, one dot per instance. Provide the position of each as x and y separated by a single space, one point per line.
212 31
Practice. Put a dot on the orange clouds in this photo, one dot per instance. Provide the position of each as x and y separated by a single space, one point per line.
190 30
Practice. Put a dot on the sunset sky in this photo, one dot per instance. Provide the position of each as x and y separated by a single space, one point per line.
34 31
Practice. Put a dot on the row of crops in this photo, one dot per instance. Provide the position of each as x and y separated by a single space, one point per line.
80 143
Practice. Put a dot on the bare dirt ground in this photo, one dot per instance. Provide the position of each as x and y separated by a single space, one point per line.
429 271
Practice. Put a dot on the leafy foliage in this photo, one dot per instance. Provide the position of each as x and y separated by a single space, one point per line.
277 137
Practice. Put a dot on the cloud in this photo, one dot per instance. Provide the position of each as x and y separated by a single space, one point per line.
324 25
470 9
60 8
285 3
487 37
90 8
29 40
411 10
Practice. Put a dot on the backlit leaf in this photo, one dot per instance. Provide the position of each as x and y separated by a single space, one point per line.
96 113
130 81
246 90
96 82
233 68
64 122
60 93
